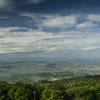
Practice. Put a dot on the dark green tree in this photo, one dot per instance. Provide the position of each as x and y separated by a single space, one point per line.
50 93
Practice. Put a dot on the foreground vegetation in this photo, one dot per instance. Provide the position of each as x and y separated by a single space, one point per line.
84 88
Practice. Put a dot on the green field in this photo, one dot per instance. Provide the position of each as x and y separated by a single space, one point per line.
30 71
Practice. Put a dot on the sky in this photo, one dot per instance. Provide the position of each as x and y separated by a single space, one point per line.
36 30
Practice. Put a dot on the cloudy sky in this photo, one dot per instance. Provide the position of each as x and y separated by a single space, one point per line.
49 29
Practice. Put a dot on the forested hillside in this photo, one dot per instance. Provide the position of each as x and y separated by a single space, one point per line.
83 88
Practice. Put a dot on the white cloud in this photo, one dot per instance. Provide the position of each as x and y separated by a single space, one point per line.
86 25
59 21
43 20
95 18
23 41
90 48
35 40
